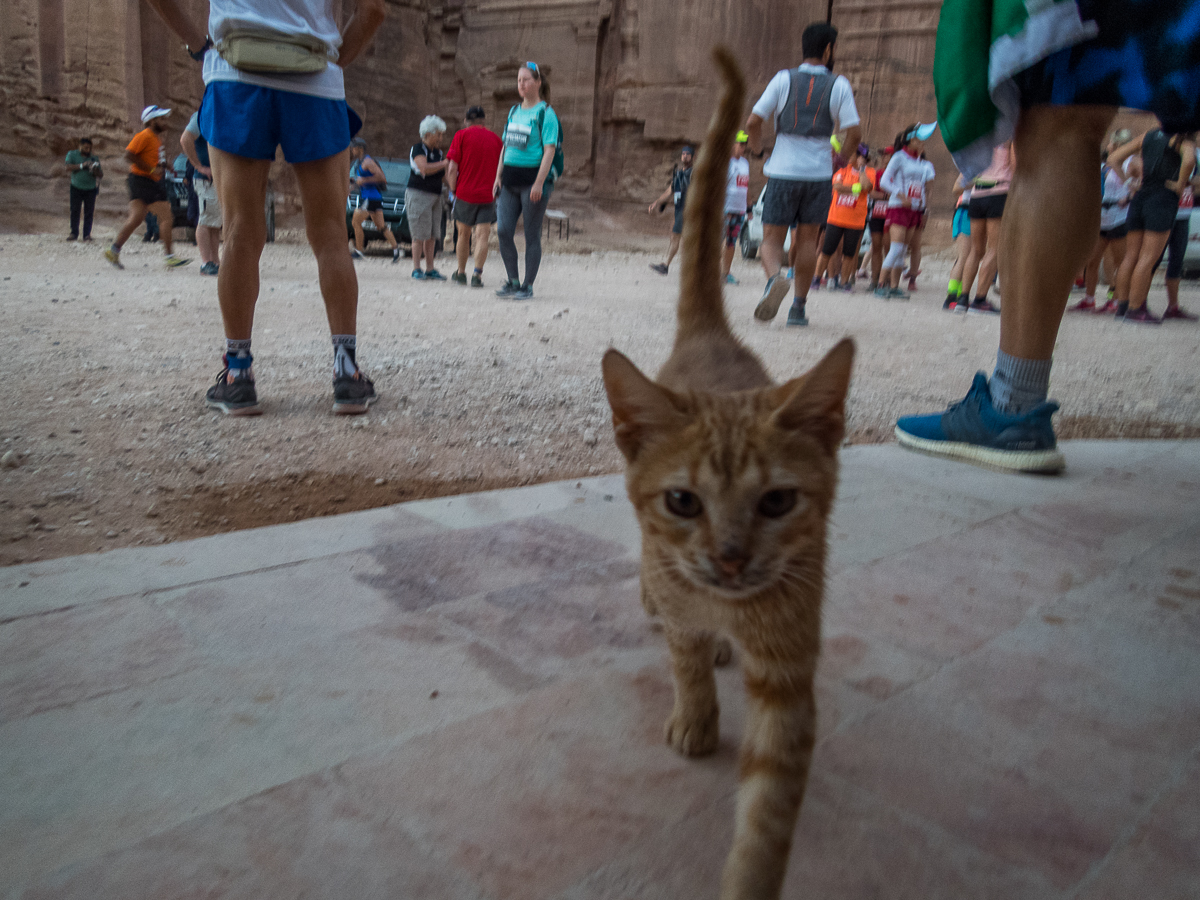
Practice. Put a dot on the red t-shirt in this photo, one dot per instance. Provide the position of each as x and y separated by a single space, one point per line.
476 150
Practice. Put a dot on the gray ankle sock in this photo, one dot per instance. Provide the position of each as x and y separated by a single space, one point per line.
1018 385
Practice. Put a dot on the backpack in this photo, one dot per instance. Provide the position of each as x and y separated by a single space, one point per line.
812 118
556 165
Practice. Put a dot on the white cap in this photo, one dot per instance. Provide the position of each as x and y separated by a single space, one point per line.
153 112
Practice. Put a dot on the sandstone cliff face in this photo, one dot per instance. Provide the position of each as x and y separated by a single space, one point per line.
630 79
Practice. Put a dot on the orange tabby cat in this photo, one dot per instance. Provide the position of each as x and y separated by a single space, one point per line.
732 478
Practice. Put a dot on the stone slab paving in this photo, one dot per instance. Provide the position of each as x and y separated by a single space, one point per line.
461 698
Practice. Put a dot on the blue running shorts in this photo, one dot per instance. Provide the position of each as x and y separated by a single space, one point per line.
251 121
961 223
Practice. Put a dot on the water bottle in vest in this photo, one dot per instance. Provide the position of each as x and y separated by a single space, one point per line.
807 113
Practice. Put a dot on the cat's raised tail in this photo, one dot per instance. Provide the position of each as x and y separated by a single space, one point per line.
701 302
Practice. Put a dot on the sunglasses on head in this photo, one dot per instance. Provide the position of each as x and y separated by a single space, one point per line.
532 67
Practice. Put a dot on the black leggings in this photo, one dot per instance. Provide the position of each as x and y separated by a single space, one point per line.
847 237
1176 247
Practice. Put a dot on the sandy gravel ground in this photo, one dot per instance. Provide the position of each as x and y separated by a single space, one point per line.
106 441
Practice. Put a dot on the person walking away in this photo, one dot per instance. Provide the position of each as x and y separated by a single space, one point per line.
368 176
681 180
960 233
208 224
423 196
524 178
904 180
245 116
84 168
1050 91
1176 247
989 193
1114 209
737 202
147 193
1167 164
847 216
878 217
471 165
807 104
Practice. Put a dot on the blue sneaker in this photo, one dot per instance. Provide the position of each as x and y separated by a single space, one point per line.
418 275
796 316
974 431
729 279
434 275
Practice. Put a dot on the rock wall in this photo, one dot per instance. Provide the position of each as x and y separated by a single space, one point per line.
630 79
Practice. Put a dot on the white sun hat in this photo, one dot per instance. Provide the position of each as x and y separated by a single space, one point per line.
153 112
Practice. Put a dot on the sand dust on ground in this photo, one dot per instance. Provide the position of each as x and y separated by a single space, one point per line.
106 442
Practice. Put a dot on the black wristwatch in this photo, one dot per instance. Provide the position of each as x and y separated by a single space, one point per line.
198 56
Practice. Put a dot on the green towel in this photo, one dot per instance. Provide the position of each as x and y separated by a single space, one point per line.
981 45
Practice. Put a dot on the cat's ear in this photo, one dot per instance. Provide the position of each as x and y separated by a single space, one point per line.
640 407
815 403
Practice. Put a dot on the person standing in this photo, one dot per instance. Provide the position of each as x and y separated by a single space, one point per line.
737 202
1114 209
681 180
245 115
423 196
905 179
1050 86
84 168
878 218
525 178
1167 164
367 175
1176 248
471 161
989 192
208 224
807 104
147 193
960 233
847 217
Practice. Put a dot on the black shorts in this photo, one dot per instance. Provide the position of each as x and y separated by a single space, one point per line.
373 206
876 224
1153 209
991 207
677 228
473 214
847 237
146 190
791 203
1115 234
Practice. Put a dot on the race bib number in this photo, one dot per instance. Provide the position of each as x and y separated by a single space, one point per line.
846 200
517 136
1188 199
678 195
916 194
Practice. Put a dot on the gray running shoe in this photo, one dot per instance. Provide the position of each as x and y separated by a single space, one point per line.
509 289
233 395
353 394
776 290
796 316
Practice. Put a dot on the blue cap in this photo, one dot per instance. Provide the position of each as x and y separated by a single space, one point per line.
924 132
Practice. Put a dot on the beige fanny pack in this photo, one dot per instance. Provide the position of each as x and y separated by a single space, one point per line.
266 51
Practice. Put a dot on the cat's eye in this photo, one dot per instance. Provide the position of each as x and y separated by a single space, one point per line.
684 504
774 504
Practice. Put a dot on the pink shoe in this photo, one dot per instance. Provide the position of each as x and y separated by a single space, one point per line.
1174 312
1142 316
1108 309
1087 304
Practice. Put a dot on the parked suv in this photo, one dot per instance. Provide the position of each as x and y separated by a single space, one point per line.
394 216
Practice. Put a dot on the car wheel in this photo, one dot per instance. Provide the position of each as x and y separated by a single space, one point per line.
749 250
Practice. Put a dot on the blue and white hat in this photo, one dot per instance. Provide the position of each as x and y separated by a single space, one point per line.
153 112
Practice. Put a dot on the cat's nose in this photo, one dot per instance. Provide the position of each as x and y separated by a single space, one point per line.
731 560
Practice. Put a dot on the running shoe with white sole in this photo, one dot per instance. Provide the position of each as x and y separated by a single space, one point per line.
233 394
776 290
353 394
174 262
974 431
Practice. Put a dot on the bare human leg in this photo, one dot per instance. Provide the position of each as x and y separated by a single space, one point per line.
322 193
462 248
137 215
356 221
482 232
242 190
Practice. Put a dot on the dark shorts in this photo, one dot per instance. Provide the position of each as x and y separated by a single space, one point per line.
791 203
677 228
991 207
1153 209
734 222
473 214
1115 234
1146 56
849 238
876 224
373 205
251 121
147 190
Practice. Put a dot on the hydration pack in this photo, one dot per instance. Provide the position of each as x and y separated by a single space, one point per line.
807 113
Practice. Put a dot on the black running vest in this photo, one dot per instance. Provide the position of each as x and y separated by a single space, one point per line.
807 113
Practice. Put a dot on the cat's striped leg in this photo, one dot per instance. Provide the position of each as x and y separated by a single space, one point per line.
776 753
693 727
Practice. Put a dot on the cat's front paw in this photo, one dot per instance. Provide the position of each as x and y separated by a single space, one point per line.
694 735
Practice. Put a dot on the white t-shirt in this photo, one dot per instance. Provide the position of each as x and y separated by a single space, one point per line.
312 18
905 176
737 186
804 158
1114 190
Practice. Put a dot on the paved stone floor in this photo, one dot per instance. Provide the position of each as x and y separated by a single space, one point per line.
461 698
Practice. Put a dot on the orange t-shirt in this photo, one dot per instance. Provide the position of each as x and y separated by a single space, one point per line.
846 210
148 149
